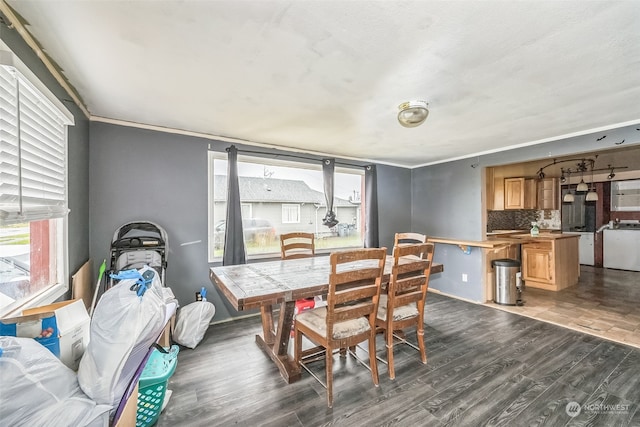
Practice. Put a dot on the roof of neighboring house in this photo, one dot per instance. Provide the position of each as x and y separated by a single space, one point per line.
256 189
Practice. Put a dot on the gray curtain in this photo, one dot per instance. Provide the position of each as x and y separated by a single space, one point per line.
328 167
371 238
234 251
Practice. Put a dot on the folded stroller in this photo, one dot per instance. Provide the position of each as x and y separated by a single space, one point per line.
137 244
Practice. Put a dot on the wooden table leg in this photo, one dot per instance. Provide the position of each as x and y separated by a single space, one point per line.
268 332
277 346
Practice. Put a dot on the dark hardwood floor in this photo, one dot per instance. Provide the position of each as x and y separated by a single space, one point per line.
485 367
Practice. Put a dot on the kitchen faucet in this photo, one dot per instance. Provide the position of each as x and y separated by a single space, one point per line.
611 225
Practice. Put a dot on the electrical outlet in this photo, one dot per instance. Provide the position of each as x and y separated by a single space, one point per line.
464 277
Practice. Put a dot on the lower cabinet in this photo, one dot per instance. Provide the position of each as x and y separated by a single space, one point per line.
537 262
551 264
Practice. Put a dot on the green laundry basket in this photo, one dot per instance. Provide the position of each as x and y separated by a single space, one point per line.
152 385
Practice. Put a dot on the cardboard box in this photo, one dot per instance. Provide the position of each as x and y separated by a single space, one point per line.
62 327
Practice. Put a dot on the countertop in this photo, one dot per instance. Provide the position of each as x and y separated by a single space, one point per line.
496 240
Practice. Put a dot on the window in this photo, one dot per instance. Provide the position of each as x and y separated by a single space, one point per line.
33 190
246 210
284 197
290 214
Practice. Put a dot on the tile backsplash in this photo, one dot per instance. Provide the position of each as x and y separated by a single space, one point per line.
522 219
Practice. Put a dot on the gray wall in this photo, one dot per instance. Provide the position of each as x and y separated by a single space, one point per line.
139 174
394 203
447 201
78 154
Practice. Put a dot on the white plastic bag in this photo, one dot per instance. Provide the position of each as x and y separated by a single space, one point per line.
192 323
123 327
39 390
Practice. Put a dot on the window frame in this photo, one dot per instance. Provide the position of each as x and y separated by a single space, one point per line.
214 155
58 230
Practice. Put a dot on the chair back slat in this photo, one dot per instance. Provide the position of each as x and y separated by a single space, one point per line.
297 245
409 284
408 298
348 312
356 292
402 238
354 276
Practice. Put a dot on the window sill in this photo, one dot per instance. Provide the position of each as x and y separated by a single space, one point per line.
276 256
46 297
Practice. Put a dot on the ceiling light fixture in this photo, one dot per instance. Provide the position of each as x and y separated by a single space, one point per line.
568 198
592 196
611 175
582 186
412 113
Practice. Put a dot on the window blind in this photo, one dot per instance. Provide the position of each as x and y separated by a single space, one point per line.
33 141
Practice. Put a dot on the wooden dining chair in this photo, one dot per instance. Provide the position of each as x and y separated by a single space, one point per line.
349 317
403 304
297 245
410 238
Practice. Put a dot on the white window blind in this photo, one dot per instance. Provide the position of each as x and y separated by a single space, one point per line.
33 141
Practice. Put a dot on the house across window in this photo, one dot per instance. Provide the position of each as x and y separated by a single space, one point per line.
282 197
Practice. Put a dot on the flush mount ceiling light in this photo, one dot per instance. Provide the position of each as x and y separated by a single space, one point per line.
412 113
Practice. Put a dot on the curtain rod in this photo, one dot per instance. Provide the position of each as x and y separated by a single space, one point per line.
296 157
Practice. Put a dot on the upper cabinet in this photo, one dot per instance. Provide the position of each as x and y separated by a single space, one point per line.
520 193
625 195
548 194
495 192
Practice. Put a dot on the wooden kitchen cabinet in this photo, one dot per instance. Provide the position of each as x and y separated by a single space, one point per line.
537 262
495 191
551 263
520 193
548 194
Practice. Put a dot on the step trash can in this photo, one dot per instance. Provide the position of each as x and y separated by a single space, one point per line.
508 283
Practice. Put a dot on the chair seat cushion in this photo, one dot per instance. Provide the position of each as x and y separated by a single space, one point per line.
399 313
316 320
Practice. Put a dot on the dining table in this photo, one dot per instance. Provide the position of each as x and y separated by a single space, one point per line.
267 284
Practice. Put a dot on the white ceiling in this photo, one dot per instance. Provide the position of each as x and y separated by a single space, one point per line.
328 76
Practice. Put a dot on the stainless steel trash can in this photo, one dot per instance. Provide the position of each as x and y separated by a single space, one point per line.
508 286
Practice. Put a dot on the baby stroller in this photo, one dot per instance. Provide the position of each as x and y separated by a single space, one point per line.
136 244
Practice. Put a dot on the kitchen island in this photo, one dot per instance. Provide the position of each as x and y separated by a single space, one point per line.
549 260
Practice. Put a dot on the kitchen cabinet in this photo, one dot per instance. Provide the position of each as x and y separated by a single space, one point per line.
625 195
537 262
520 193
495 191
548 194
551 263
